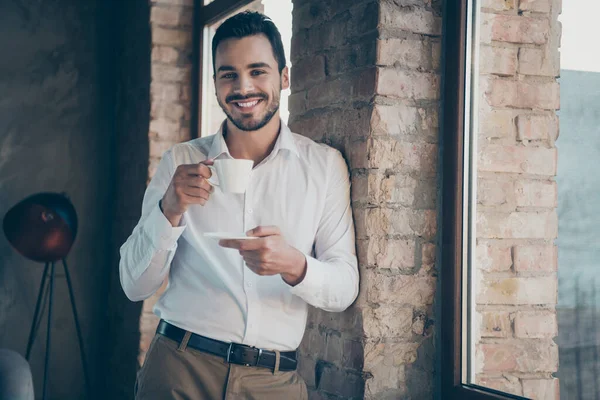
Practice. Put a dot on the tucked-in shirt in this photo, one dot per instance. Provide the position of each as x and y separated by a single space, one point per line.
303 188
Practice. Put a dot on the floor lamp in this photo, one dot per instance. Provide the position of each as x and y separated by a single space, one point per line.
42 228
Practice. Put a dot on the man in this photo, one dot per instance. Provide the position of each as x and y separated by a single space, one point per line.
235 311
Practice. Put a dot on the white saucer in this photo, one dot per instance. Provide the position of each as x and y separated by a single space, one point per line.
228 235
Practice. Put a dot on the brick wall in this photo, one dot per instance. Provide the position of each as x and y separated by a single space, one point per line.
517 198
366 81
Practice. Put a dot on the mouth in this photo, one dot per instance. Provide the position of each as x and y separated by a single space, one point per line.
246 106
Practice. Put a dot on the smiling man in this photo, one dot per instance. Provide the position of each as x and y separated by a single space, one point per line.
235 311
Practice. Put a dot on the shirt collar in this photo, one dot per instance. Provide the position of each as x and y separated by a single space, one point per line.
285 140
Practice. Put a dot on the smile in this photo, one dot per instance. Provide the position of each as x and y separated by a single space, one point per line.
246 105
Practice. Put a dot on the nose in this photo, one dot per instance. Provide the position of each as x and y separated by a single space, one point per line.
244 85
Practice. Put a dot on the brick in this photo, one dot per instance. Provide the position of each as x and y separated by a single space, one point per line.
164 128
308 71
498 60
537 127
520 94
388 321
353 356
405 120
519 29
164 54
306 369
495 324
168 73
495 192
493 258
400 289
539 62
400 221
406 53
525 356
342 90
536 194
496 124
340 382
314 127
353 122
297 103
334 347
403 156
507 383
541 389
542 6
171 37
498 5
351 57
169 111
410 19
518 291
517 225
157 148
171 16
391 189
164 92
389 355
428 253
518 159
536 324
408 84
536 258
186 94
396 254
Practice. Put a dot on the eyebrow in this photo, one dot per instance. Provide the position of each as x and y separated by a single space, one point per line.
250 66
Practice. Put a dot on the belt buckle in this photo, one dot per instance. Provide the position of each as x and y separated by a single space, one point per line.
258 358
229 353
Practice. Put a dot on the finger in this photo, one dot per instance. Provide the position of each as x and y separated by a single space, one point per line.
196 192
251 256
261 231
199 182
230 243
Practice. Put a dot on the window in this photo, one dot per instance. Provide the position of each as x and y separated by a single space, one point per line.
212 14
520 229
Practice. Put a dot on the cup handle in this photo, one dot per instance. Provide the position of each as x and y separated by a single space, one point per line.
213 180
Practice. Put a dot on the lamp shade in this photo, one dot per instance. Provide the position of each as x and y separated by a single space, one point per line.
42 227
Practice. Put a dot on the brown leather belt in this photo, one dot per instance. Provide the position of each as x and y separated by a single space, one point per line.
232 352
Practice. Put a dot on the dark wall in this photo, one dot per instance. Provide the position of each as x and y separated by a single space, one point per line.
56 134
131 28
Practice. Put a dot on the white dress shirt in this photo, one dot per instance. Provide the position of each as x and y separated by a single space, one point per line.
303 188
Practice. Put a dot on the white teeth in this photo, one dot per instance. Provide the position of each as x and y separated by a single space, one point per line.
249 104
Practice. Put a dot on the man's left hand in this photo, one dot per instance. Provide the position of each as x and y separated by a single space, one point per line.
270 254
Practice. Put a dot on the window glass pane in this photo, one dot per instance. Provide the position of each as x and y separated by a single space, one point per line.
532 237
280 11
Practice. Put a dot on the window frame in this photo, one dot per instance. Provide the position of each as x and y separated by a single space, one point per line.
205 15
454 95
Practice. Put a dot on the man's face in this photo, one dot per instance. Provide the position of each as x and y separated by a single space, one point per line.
247 81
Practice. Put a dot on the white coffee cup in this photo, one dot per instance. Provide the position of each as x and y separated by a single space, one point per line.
231 175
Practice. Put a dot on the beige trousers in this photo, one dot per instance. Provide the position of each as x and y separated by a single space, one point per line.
171 372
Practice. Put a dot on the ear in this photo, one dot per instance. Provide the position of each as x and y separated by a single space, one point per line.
285 78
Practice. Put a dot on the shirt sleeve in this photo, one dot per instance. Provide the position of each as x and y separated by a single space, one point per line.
331 280
147 254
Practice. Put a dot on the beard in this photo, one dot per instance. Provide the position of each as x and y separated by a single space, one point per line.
247 123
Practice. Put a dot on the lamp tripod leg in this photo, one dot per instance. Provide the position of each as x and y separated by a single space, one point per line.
78 328
37 312
48 340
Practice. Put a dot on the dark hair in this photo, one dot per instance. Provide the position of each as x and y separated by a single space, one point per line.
250 23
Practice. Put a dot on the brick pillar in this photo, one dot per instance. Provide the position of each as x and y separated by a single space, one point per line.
170 105
517 198
365 80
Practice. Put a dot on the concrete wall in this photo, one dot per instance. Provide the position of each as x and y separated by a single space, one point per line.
55 135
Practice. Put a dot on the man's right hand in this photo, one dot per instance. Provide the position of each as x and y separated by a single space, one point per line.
189 185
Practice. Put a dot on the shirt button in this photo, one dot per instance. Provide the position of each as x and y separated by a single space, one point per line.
249 211
249 284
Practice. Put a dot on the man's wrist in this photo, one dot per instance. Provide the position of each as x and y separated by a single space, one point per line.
297 276
173 219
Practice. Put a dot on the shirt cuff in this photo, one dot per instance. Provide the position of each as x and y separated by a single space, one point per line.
160 231
312 284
